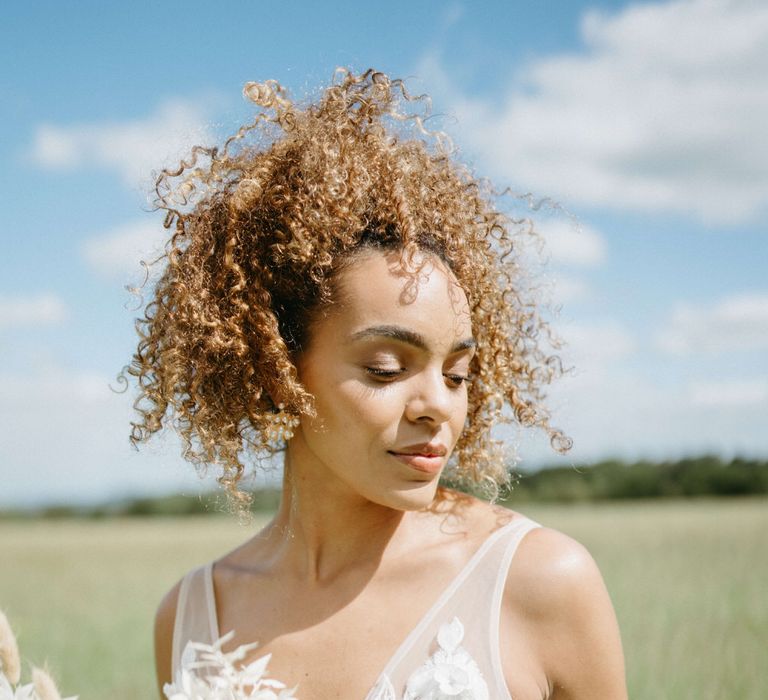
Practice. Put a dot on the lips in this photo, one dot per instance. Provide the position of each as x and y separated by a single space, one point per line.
424 457
427 449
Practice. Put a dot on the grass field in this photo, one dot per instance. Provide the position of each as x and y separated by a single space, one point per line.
689 581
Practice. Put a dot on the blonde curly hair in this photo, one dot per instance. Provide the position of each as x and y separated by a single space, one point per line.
260 228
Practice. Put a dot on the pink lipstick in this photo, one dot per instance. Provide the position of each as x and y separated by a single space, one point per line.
424 457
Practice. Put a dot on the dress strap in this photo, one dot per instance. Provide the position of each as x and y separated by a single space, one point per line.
515 537
512 543
178 624
462 624
210 601
195 613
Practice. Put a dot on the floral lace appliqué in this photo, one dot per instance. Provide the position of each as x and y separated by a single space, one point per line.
449 674
207 673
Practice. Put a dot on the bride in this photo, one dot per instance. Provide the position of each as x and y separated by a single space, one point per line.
339 290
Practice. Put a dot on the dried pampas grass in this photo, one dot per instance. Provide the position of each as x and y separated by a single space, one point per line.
44 685
10 662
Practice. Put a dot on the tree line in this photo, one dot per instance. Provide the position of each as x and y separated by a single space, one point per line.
612 479
616 479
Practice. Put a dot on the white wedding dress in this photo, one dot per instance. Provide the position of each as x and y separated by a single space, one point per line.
453 651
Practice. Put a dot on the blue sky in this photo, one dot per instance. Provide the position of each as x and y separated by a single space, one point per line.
645 121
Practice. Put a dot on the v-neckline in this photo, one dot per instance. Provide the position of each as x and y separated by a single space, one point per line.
425 619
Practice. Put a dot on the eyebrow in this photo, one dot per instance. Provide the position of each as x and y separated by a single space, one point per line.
410 337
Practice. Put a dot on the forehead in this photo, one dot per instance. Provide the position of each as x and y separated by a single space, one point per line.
375 289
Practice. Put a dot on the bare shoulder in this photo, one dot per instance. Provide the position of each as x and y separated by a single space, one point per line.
557 593
551 569
165 618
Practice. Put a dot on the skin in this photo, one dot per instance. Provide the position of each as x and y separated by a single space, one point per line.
360 531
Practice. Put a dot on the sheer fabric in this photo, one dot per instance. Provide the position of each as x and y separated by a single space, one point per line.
453 651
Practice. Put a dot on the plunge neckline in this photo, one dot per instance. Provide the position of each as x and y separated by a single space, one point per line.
425 619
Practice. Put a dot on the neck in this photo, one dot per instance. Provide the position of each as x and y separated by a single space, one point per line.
325 527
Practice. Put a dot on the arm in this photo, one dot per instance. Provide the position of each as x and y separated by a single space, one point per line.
164 621
555 588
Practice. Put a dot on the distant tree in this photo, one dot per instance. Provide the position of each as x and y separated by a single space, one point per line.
706 475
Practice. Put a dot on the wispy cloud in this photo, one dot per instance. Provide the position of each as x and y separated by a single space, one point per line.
726 393
118 252
65 437
571 244
565 289
734 323
132 149
41 309
591 345
53 384
664 109
623 411
563 245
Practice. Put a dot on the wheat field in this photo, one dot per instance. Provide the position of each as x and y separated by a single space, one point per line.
688 579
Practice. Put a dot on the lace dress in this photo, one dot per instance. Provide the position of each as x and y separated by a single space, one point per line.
452 652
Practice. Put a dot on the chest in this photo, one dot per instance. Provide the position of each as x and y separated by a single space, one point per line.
335 641
340 641
332 662
360 658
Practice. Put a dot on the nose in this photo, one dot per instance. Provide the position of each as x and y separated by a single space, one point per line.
432 401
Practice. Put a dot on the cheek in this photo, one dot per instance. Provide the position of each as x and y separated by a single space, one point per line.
356 409
371 408
460 416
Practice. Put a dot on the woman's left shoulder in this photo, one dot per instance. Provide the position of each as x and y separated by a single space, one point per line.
554 566
556 593
546 560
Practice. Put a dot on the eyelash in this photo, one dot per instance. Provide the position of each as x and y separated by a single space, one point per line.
379 373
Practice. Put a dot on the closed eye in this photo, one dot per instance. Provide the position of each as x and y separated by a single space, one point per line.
456 380
380 373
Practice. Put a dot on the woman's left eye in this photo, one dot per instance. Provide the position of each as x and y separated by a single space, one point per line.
456 380
381 373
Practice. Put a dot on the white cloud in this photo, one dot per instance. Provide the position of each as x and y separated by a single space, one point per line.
565 243
452 14
565 290
572 244
623 411
37 310
734 323
591 345
131 148
65 439
49 384
726 393
665 109
119 252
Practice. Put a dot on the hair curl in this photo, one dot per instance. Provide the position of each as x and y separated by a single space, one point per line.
260 228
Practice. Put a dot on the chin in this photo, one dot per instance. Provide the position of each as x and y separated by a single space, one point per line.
419 496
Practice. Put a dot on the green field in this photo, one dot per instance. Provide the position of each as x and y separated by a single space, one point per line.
689 581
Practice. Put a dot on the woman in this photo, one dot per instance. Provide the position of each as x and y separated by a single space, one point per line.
344 292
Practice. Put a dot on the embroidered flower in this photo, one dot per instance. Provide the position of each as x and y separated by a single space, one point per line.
450 673
207 673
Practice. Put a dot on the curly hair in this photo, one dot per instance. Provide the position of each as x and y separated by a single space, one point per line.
261 226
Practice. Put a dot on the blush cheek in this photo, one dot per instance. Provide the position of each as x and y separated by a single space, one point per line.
376 412
457 423
352 412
